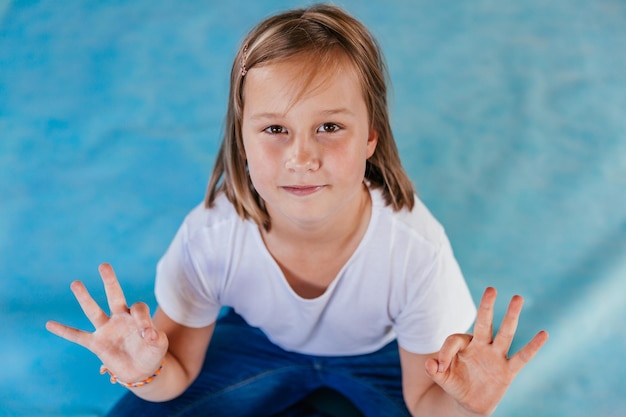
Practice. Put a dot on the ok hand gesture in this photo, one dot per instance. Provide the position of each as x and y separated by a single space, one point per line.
476 371
126 342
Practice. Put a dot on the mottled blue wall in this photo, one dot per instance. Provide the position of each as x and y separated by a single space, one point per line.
510 117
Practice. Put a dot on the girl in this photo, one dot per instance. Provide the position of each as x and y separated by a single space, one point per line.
336 274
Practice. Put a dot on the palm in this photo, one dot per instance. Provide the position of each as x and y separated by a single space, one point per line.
477 370
119 344
126 341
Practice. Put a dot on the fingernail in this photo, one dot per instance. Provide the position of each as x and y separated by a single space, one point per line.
149 334
441 367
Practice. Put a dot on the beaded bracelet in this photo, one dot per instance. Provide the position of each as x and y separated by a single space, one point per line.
104 369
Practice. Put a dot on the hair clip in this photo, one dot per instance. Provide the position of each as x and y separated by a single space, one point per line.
244 57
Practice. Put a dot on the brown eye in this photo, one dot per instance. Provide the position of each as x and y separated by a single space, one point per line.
328 128
275 130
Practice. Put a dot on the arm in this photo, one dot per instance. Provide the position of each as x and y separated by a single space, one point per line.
131 345
470 374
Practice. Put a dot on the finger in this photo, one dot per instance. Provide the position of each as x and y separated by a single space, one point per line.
521 358
115 295
92 310
505 335
451 347
141 314
69 333
483 329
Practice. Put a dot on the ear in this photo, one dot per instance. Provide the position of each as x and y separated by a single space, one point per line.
372 141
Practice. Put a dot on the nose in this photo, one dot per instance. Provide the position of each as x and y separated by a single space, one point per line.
303 155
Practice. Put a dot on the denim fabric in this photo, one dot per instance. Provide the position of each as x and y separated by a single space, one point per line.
244 374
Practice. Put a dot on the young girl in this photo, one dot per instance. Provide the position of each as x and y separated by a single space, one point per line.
336 274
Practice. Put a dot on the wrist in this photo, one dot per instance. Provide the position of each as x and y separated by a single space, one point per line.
463 411
136 384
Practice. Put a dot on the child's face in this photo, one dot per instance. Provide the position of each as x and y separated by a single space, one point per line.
306 151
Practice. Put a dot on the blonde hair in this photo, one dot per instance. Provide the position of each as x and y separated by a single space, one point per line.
318 31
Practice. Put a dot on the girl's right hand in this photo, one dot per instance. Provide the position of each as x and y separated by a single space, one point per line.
126 342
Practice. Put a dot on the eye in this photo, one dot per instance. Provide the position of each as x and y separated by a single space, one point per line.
328 128
275 130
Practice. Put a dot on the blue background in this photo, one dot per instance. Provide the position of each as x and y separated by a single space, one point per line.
510 117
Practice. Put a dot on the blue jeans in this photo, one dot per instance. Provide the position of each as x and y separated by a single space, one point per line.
244 374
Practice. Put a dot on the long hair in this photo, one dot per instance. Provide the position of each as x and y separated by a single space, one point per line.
319 32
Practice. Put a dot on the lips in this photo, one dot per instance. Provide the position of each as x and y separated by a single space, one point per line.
302 190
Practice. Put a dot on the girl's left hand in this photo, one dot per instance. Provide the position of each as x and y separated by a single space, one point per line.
476 370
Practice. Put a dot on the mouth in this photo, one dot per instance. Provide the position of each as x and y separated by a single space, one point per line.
302 190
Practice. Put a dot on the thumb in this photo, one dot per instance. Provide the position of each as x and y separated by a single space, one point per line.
451 347
438 368
157 339
434 369
150 335
141 314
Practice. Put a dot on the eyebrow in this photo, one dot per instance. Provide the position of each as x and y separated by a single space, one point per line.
330 112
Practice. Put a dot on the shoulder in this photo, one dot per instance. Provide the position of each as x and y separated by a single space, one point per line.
218 217
213 229
416 224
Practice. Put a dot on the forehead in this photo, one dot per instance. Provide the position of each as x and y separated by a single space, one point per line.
302 77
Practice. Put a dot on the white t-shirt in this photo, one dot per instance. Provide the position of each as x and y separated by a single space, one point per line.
401 282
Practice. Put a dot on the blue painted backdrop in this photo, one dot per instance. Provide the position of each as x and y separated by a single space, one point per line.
510 117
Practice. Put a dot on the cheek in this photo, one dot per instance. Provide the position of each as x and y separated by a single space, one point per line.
347 166
353 158
260 166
